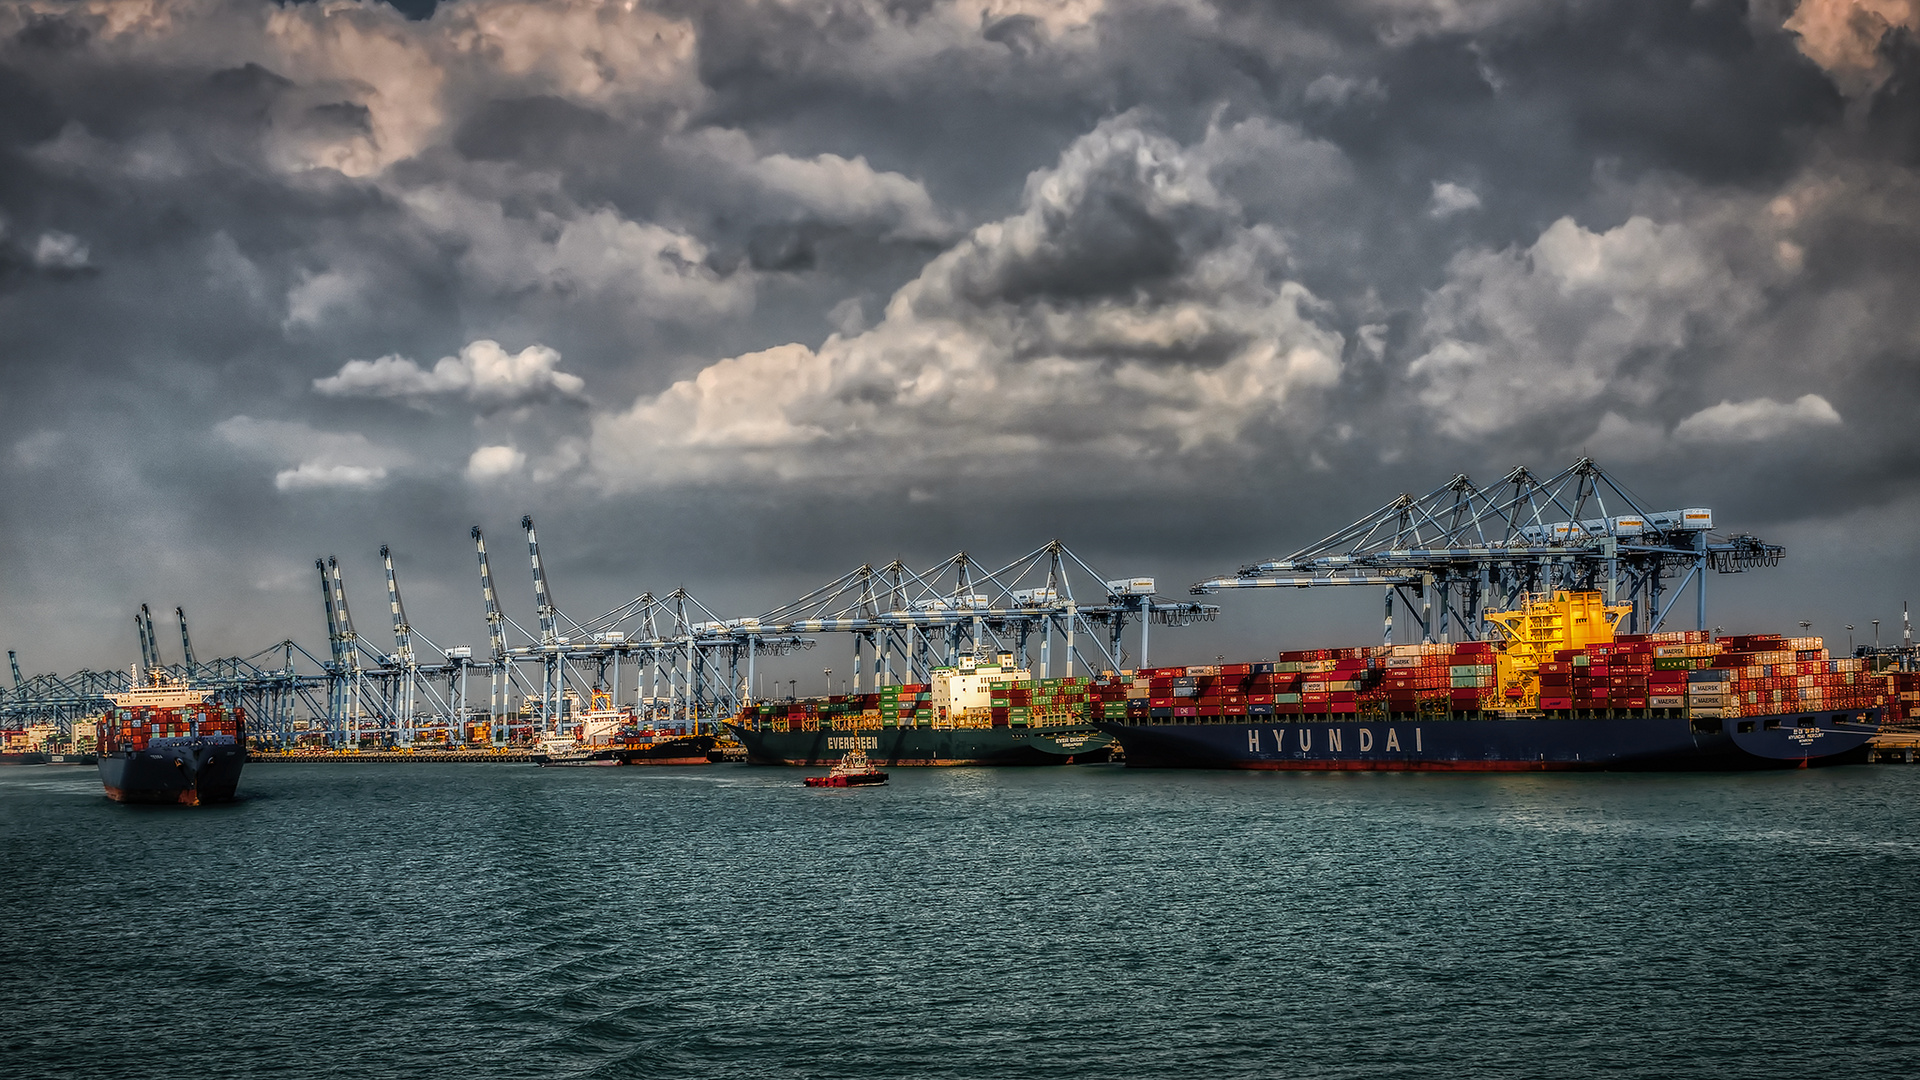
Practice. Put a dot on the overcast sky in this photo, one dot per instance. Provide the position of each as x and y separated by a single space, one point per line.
738 295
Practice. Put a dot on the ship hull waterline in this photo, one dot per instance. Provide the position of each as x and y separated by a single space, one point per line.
690 750
913 747
188 777
1526 744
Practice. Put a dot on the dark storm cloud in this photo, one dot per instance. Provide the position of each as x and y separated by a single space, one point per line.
729 290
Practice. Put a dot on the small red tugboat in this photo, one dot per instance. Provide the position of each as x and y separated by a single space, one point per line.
853 770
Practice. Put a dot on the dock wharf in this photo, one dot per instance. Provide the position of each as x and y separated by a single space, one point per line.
1900 746
488 757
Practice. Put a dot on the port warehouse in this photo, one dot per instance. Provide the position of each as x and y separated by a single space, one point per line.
1443 561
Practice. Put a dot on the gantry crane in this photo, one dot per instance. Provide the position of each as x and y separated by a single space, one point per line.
1475 549
960 608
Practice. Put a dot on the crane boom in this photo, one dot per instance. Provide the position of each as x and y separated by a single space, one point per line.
149 641
349 654
542 599
14 662
402 632
333 619
186 642
496 632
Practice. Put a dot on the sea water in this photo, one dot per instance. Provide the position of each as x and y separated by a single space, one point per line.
478 921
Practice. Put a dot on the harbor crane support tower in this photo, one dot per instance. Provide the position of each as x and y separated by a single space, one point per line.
960 608
684 657
1469 550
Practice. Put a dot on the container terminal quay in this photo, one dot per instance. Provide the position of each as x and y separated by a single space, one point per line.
1042 649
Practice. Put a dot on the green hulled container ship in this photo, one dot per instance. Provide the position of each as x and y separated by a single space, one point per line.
971 714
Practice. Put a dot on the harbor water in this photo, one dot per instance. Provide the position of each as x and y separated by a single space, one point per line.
479 921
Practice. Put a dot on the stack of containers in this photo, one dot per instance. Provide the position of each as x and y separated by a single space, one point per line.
1038 702
1903 696
916 704
1328 681
1200 693
1765 674
1434 678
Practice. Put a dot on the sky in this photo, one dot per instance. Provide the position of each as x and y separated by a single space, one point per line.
737 295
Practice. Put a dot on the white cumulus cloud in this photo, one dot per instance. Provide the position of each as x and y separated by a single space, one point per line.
1755 420
310 475
311 458
484 374
1450 199
60 251
494 463
1126 310
1520 334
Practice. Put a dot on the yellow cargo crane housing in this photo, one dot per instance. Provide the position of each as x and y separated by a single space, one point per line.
1542 625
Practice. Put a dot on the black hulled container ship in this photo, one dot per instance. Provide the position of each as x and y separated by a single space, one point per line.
166 742
608 735
1559 691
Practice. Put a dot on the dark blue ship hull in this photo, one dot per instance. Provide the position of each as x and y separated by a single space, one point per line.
187 771
1625 741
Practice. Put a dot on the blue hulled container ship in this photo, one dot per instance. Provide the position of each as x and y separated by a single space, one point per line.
1559 691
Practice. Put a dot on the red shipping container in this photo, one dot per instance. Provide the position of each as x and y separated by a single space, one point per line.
1343 708
1556 703
1185 710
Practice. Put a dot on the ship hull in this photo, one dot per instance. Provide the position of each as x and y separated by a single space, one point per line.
1060 745
186 775
692 750
23 757
864 780
1525 744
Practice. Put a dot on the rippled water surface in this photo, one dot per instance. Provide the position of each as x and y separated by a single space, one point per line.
508 921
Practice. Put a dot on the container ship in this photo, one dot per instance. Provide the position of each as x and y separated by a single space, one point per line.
44 744
1559 691
974 713
604 735
165 742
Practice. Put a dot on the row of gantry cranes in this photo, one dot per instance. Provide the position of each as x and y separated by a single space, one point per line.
1444 559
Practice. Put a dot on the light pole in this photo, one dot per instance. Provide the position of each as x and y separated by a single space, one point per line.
1849 639
829 674
1876 635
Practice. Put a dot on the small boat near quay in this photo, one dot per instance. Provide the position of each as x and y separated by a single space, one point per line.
853 770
